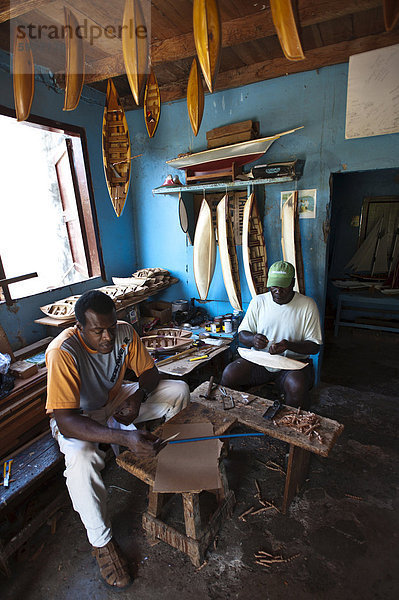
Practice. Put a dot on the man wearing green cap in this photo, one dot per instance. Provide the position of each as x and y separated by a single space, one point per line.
280 322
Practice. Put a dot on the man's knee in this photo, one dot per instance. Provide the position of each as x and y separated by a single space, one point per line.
231 376
84 455
296 389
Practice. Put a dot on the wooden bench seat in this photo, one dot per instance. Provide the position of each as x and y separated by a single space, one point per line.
35 463
197 537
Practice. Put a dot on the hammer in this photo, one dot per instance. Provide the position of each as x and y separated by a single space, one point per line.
208 395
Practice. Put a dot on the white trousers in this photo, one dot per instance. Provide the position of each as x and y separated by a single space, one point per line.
84 461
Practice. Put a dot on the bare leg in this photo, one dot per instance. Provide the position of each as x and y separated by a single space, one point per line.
242 374
296 385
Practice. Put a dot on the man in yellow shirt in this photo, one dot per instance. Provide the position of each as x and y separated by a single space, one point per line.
90 404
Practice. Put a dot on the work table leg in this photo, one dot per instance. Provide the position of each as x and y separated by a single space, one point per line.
297 469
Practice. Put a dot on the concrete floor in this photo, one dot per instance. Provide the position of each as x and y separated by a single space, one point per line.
343 525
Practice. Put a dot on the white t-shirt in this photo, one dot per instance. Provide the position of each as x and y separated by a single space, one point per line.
297 321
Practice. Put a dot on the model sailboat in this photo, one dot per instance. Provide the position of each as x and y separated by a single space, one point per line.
371 258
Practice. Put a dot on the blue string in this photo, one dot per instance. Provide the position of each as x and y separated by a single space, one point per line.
215 437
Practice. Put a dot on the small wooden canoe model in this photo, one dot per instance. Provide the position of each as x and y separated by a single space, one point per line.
23 75
172 332
254 248
204 252
291 240
75 62
208 38
391 13
228 253
135 46
152 104
284 22
116 149
195 97
62 311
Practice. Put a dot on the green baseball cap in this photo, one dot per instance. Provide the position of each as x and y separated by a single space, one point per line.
280 274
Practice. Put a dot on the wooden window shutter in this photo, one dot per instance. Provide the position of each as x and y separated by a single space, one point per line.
72 207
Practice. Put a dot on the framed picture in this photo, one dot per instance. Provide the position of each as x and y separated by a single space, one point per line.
306 203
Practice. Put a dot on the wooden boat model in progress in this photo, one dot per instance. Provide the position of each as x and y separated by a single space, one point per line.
291 240
116 149
165 343
135 47
204 251
75 62
208 38
275 361
62 311
23 75
287 32
254 248
218 159
152 104
195 97
228 253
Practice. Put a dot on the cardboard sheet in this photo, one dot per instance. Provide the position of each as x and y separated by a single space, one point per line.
189 467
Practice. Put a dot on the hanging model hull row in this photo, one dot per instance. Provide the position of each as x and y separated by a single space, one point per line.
223 158
208 38
287 32
228 254
291 240
195 97
135 47
116 149
23 75
254 249
204 252
152 104
75 61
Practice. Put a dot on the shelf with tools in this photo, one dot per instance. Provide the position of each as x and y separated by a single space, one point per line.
220 185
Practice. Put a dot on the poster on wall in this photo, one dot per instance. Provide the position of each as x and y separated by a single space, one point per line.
306 203
372 106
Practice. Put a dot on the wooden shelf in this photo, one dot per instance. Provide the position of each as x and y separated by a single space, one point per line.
219 185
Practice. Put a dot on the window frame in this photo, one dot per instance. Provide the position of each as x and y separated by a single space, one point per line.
90 239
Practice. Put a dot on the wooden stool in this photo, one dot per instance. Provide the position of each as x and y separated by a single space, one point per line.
197 537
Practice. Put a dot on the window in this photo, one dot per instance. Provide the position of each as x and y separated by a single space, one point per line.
48 224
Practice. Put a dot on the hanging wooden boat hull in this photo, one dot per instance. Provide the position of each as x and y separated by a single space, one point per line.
284 22
391 13
228 254
23 75
116 149
291 240
254 248
135 47
195 97
75 62
152 104
217 159
204 252
208 38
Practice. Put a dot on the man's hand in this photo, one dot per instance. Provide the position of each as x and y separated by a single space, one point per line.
128 411
142 443
278 347
260 341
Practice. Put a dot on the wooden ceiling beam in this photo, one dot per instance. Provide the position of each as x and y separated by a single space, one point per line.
234 32
278 67
10 9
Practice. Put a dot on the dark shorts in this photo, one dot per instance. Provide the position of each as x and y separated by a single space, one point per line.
253 374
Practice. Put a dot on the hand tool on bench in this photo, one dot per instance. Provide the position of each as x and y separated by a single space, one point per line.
228 400
7 471
273 410
208 395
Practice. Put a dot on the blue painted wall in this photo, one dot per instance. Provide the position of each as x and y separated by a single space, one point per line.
148 233
315 99
116 233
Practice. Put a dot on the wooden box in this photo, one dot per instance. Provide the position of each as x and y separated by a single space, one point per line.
232 134
159 310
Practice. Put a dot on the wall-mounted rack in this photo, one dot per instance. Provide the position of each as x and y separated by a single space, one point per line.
220 185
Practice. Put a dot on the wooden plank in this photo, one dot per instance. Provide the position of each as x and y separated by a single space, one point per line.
234 138
229 129
192 515
10 9
298 465
23 369
32 349
251 415
234 32
277 67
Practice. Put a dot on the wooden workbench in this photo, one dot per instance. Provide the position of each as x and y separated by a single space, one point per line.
184 366
300 445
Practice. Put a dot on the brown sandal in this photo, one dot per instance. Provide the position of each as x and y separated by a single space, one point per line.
113 565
